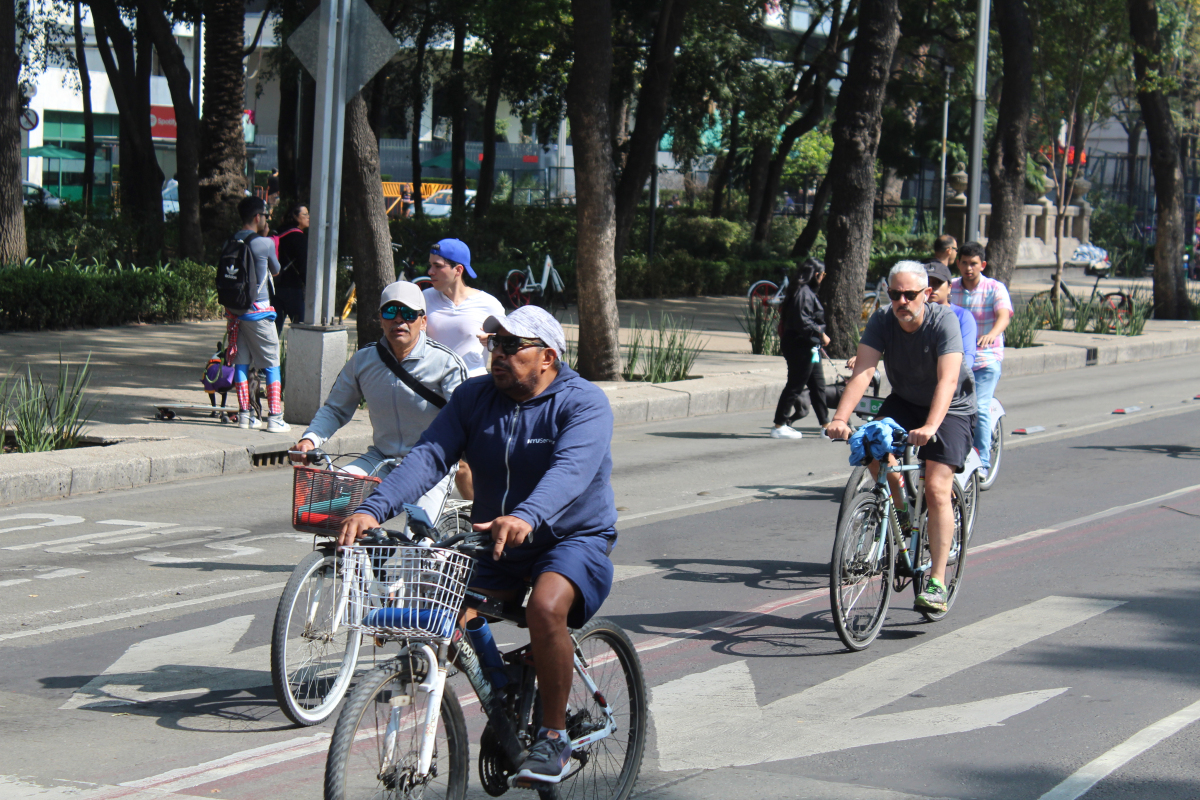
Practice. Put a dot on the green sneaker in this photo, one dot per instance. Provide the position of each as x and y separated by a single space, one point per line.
933 598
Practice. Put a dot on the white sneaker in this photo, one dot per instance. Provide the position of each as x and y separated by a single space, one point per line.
246 421
275 424
786 432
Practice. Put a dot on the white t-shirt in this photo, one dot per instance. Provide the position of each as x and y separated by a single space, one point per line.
459 326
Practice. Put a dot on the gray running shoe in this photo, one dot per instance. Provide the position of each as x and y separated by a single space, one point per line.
549 761
933 598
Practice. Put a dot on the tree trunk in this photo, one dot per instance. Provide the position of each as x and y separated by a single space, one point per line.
760 164
1010 145
1131 148
491 104
1170 292
418 97
187 141
89 126
12 210
856 127
289 111
726 170
816 221
366 227
128 66
774 172
222 147
651 110
595 265
458 122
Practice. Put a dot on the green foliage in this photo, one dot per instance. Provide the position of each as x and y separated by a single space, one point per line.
61 233
809 156
47 417
703 237
72 293
761 324
663 353
1026 322
1113 228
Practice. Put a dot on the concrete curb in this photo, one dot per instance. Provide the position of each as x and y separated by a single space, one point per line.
28 477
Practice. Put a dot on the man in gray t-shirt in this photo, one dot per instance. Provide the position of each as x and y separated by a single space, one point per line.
252 334
932 396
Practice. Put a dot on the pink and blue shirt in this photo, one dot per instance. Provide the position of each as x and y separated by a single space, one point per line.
987 298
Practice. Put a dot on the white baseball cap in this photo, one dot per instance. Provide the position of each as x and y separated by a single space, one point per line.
531 322
403 292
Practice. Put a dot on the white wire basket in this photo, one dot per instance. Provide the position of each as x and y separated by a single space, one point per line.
402 591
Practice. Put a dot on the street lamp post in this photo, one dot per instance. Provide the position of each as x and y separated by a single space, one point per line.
945 134
981 54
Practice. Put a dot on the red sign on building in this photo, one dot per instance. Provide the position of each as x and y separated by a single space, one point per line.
529 159
162 122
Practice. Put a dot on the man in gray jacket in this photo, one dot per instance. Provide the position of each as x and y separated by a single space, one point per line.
399 413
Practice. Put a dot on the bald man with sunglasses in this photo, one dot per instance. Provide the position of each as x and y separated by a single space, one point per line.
399 413
932 396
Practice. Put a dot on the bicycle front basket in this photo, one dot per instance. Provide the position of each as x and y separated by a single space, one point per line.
322 499
402 591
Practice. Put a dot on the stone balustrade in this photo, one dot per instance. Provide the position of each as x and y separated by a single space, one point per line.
1037 240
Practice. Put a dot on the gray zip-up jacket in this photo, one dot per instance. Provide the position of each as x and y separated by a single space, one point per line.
398 415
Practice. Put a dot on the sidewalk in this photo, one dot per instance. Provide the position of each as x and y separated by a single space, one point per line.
135 367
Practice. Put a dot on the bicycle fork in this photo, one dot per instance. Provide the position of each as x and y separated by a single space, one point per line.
434 685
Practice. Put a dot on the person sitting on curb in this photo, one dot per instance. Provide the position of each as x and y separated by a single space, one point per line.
400 409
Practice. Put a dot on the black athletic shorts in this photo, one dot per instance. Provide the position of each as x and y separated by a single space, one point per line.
955 436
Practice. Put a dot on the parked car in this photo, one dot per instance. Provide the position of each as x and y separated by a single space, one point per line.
438 204
32 193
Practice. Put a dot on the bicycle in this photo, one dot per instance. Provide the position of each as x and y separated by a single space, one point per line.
871 556
521 289
411 261
1116 306
402 732
312 663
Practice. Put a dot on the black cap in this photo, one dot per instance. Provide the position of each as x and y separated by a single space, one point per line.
937 269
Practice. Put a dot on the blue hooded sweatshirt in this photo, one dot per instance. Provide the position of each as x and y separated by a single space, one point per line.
547 461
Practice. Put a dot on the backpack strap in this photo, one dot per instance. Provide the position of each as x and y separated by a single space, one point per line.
389 360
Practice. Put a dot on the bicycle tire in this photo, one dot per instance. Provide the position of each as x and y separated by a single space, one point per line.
514 288
423 282
1119 304
971 501
956 563
354 767
860 482
760 294
310 691
870 304
608 768
852 572
452 523
996 455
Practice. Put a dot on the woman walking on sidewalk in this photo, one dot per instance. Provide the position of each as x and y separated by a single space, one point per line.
801 330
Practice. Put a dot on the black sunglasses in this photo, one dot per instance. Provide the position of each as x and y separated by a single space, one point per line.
407 314
509 345
909 296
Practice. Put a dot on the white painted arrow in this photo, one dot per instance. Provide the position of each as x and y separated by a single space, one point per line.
712 719
199 660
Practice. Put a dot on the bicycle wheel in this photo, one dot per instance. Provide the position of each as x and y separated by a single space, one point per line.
375 745
311 667
453 522
609 767
423 282
514 288
1118 305
860 482
870 304
971 501
997 454
955 562
760 294
860 573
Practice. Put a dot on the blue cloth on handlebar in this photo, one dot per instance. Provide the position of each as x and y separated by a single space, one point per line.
873 441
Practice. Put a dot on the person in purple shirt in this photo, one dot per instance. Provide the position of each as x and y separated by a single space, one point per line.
939 282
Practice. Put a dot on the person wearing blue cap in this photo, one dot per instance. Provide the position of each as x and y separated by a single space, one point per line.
455 313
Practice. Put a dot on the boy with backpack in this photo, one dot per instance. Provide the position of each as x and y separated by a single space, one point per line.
246 266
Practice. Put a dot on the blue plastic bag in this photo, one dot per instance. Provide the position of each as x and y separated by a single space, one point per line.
873 441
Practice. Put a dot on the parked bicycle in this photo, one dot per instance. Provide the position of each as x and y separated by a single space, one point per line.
769 294
312 661
522 289
402 732
410 268
1115 306
873 556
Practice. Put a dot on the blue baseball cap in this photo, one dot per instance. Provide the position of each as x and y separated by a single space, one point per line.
455 250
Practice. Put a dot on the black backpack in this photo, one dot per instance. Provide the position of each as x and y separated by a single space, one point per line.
235 273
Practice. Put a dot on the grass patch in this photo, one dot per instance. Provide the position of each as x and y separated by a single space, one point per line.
761 324
661 354
47 416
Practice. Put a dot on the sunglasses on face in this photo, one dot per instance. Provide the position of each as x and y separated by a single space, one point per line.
391 310
509 345
909 296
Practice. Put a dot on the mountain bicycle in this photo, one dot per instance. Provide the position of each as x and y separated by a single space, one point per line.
402 732
312 661
521 289
1114 306
409 265
873 556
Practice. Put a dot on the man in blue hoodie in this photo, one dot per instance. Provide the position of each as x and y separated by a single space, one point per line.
539 439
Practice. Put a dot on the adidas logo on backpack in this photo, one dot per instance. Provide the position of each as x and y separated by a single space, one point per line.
235 273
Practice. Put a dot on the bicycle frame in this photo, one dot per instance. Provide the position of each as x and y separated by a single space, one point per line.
891 520
550 277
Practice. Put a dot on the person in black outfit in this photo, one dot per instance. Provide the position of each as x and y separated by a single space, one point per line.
801 329
816 379
293 267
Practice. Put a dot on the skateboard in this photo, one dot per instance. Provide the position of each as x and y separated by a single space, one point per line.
169 411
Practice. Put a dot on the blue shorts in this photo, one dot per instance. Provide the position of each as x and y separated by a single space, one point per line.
583 560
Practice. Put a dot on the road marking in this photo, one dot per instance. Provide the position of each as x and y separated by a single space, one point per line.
98 536
137 612
61 573
15 582
695 733
52 521
1097 770
197 660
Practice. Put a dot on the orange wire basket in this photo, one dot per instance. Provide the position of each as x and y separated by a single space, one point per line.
322 498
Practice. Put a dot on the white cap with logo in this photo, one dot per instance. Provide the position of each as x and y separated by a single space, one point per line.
403 292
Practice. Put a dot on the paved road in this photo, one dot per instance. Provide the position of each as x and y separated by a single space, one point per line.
135 623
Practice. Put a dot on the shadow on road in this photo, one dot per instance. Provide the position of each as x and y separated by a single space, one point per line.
1172 450
755 574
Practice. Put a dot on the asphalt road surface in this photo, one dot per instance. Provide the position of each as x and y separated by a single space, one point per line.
135 625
